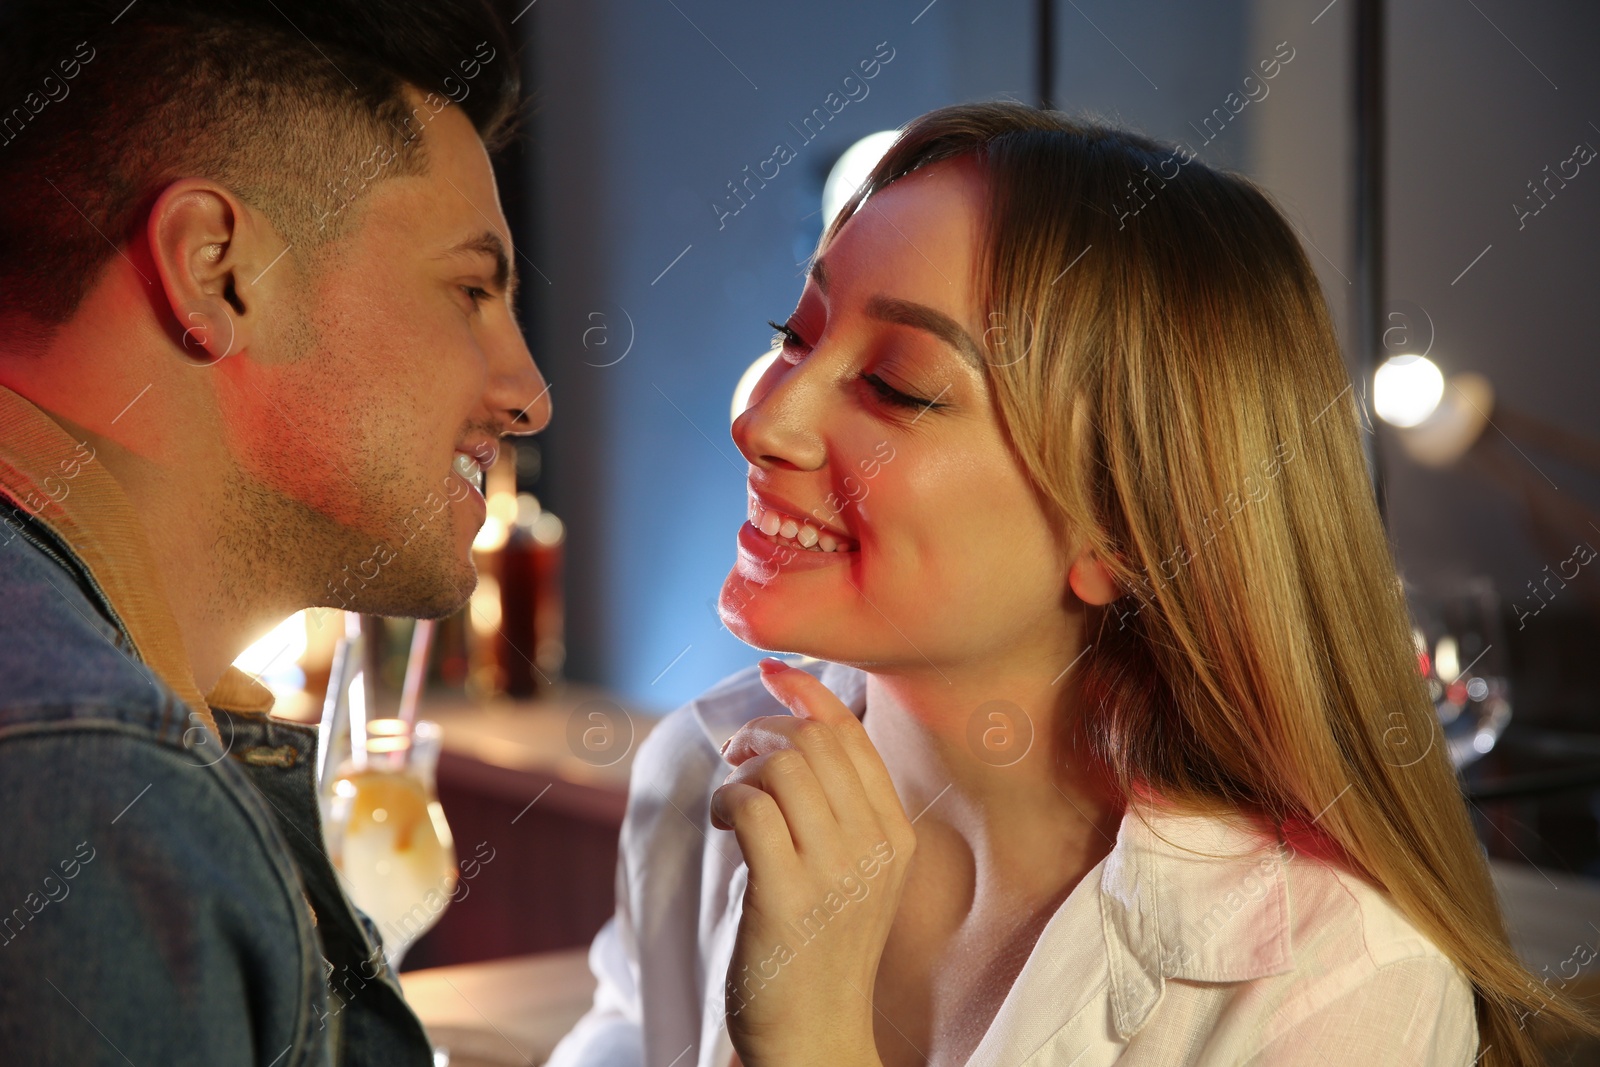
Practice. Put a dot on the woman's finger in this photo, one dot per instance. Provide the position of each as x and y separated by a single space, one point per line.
815 701
786 776
806 696
759 826
823 750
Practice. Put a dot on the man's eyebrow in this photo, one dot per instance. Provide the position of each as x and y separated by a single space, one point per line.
488 243
922 317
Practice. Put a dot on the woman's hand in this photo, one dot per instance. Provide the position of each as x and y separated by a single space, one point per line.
828 845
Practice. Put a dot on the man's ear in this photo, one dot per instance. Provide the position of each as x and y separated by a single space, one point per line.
207 247
1091 582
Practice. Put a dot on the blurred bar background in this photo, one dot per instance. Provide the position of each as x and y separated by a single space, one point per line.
655 240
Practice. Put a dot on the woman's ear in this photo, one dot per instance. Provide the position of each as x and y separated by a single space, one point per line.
1091 582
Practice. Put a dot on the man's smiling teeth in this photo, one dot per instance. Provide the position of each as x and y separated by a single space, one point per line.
787 529
468 468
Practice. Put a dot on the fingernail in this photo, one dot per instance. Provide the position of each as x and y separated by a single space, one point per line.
725 744
773 666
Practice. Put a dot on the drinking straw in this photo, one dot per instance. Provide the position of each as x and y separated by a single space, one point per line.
416 670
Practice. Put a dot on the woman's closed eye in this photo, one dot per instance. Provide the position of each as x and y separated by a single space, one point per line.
794 345
786 337
890 395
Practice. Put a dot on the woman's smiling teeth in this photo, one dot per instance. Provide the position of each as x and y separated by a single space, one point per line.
797 533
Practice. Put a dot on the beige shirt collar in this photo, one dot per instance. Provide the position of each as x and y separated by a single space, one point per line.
52 476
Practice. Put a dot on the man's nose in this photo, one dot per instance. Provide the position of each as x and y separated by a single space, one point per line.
518 392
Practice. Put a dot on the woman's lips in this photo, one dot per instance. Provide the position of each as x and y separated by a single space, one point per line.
769 553
785 527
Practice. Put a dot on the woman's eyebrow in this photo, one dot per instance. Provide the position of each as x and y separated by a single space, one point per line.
917 316
922 317
819 274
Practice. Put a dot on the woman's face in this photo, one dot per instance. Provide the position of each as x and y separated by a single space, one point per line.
875 428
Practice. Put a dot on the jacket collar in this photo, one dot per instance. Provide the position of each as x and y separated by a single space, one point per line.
1190 896
48 474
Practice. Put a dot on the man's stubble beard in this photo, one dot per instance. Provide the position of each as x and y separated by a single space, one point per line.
402 560
284 548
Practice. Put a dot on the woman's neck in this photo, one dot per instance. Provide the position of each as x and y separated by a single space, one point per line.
997 766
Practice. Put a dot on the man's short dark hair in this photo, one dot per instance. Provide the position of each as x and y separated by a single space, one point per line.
296 107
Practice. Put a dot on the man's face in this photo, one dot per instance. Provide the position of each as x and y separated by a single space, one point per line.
345 428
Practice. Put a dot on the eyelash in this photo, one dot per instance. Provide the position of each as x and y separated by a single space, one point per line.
787 336
475 294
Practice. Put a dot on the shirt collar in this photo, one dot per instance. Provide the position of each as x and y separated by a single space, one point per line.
1197 897
1190 896
55 478
741 697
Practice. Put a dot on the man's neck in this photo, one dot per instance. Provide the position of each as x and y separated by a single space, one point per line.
161 455
182 522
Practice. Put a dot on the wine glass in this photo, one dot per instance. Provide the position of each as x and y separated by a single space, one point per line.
387 834
387 837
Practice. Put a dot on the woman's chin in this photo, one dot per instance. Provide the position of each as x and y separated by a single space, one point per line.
762 622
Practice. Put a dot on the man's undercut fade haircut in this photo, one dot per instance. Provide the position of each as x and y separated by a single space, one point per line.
297 108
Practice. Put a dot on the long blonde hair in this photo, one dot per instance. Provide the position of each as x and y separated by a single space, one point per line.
1163 360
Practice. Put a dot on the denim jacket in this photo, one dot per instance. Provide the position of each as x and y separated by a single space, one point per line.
165 891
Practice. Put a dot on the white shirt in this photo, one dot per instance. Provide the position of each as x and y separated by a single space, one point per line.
1250 956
